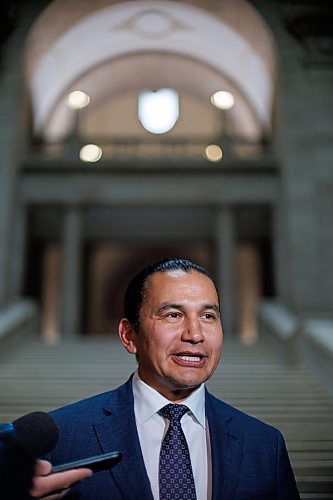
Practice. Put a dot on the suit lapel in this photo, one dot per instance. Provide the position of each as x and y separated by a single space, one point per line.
116 431
225 449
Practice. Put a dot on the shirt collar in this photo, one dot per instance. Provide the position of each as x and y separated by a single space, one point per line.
147 401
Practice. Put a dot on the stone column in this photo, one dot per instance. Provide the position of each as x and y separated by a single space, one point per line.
71 273
10 143
18 250
11 138
225 275
280 263
304 144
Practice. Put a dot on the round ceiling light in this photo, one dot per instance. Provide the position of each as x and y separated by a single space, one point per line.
223 99
77 99
90 153
213 153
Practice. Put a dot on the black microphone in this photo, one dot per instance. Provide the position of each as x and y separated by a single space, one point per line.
21 443
37 432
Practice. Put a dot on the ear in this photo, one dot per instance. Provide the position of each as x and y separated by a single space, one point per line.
127 335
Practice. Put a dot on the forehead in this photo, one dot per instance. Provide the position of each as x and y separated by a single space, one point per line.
177 284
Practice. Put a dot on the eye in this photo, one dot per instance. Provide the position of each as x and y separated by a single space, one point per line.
173 316
209 316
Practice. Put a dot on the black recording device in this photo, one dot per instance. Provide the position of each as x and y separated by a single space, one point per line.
95 463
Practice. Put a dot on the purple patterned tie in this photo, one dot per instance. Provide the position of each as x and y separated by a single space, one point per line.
175 471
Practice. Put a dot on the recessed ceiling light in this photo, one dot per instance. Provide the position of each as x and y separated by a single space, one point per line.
223 99
213 152
77 99
90 153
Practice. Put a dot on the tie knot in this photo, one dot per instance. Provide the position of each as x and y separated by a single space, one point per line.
174 412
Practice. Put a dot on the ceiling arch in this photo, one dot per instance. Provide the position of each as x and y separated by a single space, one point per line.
109 81
124 30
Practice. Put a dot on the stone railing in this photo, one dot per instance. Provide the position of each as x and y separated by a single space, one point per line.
19 318
129 148
305 341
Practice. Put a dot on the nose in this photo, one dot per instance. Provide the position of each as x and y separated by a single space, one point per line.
192 331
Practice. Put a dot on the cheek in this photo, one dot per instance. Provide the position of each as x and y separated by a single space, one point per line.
156 340
216 345
161 342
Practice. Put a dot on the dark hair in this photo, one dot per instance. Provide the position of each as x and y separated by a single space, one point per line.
137 286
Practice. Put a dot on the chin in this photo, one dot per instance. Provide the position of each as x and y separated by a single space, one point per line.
187 382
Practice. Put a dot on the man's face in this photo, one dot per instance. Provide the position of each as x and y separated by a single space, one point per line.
179 339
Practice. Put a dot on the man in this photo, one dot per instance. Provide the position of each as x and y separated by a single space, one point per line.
172 324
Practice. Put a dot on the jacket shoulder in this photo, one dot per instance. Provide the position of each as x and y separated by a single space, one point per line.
239 418
86 408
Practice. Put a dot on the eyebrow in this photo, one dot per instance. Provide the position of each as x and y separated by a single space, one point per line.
171 305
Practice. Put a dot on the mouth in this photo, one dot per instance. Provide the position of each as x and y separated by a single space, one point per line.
190 359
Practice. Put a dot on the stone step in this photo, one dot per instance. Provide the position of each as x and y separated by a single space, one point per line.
313 467
315 484
317 496
35 376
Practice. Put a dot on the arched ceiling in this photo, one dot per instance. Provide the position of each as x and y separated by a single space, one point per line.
125 46
111 80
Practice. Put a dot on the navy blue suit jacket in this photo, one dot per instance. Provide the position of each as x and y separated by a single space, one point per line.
249 458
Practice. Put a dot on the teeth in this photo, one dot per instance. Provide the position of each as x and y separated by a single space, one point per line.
190 358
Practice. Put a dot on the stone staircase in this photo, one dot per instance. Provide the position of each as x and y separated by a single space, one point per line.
35 376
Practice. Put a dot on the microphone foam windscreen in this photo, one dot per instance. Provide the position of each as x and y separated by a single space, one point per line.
37 432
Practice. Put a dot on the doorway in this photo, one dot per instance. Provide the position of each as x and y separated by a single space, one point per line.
110 266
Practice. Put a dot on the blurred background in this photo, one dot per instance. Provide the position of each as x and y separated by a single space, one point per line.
136 130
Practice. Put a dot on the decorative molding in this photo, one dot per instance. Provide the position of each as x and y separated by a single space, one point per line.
152 23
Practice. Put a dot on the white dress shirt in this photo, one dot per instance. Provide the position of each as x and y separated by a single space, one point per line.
152 428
